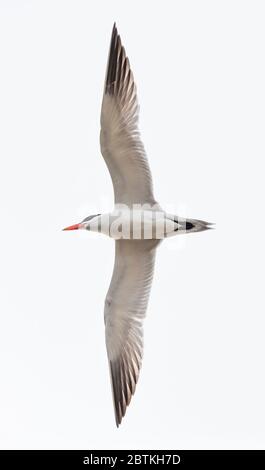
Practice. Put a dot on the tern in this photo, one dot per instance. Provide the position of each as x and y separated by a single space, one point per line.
137 224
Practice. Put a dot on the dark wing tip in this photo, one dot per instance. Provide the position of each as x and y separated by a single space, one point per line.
114 32
118 68
123 381
112 61
117 390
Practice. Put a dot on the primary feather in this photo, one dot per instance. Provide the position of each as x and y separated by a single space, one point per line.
121 145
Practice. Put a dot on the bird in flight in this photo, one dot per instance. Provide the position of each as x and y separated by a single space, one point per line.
137 224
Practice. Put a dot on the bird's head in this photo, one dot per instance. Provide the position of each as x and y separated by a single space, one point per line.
85 224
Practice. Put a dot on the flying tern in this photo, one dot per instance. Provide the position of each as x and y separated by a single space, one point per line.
137 224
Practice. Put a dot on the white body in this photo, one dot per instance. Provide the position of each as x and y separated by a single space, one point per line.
134 224
137 224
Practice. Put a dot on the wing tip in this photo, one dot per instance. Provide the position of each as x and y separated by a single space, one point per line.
117 420
121 398
114 31
116 390
112 61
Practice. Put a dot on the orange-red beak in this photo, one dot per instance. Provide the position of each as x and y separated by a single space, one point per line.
72 227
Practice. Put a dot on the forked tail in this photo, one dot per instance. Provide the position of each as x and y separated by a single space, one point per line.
191 225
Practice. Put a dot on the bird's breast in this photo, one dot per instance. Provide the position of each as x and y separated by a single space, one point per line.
135 225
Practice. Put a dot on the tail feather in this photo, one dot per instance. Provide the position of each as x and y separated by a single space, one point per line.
192 225
199 225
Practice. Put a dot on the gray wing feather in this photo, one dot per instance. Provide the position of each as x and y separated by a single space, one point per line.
120 141
125 308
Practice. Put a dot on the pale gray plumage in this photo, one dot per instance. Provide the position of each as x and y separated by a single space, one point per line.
127 298
125 308
120 141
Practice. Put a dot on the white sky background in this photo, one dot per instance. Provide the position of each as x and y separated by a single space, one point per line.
199 67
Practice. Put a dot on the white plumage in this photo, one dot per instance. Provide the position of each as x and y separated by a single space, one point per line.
137 230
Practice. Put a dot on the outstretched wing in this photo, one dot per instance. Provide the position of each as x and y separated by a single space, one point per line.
121 145
125 308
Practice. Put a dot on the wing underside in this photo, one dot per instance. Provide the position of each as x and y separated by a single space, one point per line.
121 145
125 309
